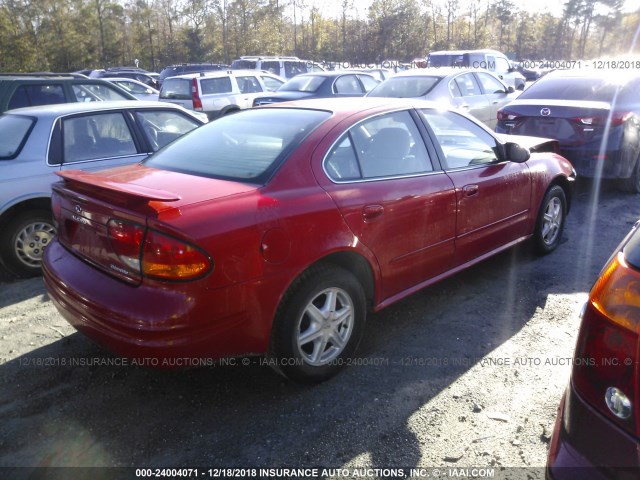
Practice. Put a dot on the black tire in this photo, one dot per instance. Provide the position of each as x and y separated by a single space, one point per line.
23 241
550 222
327 289
632 184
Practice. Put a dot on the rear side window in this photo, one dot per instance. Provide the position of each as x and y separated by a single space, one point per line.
33 95
247 146
14 131
211 86
291 69
244 64
93 92
347 84
176 88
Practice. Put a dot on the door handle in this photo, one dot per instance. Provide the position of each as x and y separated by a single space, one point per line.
371 213
465 106
470 190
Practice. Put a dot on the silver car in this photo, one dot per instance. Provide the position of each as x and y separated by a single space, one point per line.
135 88
473 91
36 142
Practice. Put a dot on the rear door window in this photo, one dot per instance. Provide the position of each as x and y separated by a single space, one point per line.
212 86
248 84
468 85
33 95
347 84
161 127
90 137
14 131
271 66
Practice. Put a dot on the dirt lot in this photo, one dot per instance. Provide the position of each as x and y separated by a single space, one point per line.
467 373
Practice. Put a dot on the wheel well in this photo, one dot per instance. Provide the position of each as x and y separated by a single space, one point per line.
32 204
358 266
567 186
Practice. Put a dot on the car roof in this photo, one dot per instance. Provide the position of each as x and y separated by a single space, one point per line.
356 104
81 107
437 72
223 73
597 73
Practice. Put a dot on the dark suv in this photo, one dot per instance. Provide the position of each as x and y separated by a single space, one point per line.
24 90
184 68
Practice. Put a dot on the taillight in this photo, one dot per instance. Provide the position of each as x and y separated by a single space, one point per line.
195 95
617 118
506 115
605 369
126 239
167 258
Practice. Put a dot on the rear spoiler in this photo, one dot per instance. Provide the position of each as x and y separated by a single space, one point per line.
127 189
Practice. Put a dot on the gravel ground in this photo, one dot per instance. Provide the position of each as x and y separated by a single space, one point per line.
465 374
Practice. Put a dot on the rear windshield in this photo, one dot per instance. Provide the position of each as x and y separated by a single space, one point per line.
444 60
302 84
405 87
176 88
247 146
14 130
244 64
572 88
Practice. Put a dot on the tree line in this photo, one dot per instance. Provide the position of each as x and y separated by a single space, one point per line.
68 35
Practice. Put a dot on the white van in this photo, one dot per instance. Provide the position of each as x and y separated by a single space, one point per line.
285 67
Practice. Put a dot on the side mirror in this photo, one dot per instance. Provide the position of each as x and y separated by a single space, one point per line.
516 153
520 87
510 89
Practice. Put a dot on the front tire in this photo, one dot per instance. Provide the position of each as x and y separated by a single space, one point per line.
550 221
318 325
23 241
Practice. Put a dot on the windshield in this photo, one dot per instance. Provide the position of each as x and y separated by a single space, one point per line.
405 87
305 83
247 146
14 131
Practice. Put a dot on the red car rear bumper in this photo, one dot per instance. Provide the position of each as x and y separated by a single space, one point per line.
187 320
587 446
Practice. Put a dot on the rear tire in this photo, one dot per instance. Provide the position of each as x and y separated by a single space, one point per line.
23 241
551 220
318 325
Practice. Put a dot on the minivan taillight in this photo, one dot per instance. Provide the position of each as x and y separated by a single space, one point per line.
605 370
195 95
167 258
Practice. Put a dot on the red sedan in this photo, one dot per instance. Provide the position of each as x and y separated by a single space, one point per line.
275 230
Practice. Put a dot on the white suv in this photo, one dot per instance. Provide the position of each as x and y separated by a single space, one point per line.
285 67
218 93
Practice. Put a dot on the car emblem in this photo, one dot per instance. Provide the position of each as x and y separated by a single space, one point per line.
545 112
78 209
